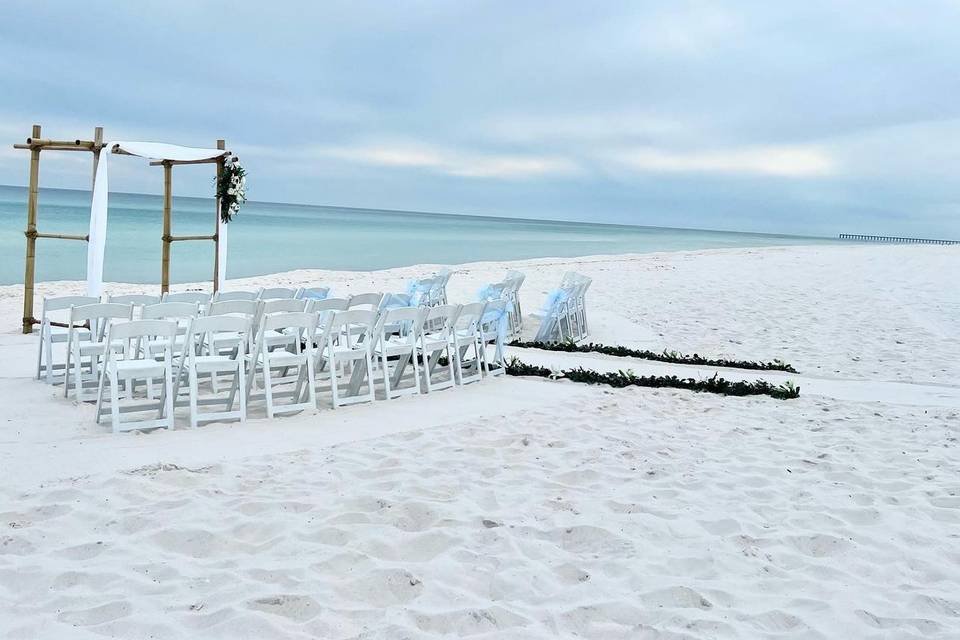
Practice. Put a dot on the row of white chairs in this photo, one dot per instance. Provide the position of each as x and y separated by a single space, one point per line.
564 314
344 342
54 317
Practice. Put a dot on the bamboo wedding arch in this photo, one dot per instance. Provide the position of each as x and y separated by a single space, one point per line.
35 144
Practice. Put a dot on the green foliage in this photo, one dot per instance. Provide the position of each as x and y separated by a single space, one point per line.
674 357
621 379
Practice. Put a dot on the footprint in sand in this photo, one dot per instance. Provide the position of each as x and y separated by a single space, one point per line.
299 608
97 615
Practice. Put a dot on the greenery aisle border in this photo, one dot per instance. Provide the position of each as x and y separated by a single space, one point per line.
622 379
673 357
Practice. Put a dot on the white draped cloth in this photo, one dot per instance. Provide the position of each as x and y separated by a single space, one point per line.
96 247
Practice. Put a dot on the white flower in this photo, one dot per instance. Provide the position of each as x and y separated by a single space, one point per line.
230 192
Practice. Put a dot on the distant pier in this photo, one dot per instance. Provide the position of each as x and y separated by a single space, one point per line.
894 239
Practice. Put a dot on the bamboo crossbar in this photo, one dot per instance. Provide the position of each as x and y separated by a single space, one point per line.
179 238
160 163
62 236
54 147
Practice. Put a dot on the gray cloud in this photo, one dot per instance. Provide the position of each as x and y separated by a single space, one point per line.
810 117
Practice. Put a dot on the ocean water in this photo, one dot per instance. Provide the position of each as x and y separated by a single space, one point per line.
273 237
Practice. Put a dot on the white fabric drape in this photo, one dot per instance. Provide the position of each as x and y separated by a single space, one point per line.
221 252
96 247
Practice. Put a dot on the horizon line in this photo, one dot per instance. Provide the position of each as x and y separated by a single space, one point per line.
458 215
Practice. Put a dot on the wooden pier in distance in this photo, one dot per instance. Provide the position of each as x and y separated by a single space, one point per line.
893 239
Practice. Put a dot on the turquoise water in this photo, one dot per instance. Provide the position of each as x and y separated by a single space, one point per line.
271 237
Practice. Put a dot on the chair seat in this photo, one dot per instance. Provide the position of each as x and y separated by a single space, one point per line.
286 359
435 341
210 364
137 368
60 334
394 347
93 348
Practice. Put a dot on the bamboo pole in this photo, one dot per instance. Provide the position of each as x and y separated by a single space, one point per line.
31 233
167 223
221 144
97 145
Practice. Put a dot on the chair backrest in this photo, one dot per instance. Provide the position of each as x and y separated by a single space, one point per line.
136 299
233 307
329 304
407 321
142 329
494 316
314 293
494 291
100 311
171 310
353 326
221 324
277 293
470 316
305 322
226 296
369 300
125 337
196 297
63 303
442 318
282 305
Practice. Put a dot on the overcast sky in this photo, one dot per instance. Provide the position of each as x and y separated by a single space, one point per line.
798 117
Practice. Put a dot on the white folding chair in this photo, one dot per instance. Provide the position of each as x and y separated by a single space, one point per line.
229 358
464 337
516 279
435 341
93 320
218 341
277 293
276 337
52 333
349 348
396 338
300 326
227 296
494 326
125 362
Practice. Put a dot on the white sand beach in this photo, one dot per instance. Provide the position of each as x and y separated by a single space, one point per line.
529 508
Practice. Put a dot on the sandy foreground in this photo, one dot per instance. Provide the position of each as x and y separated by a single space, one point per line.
518 508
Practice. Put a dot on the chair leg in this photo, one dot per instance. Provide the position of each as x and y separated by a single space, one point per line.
168 392
267 385
386 375
66 371
114 402
103 375
241 384
372 395
334 388
194 393
311 382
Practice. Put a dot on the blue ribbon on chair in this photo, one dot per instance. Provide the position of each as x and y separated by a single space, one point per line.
395 300
310 294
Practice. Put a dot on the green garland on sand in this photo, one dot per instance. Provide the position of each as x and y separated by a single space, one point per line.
643 354
622 379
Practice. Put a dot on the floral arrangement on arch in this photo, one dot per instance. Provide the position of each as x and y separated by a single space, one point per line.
231 188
